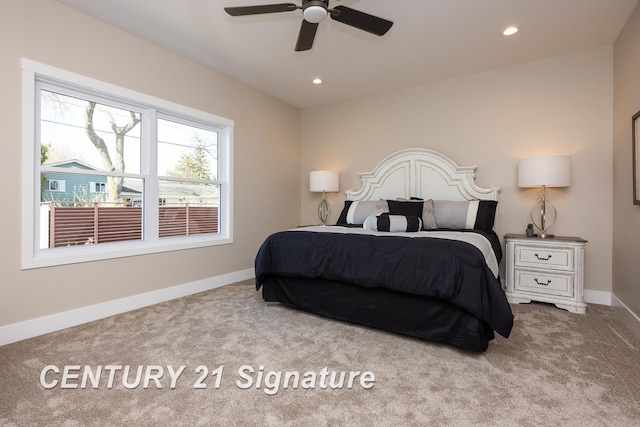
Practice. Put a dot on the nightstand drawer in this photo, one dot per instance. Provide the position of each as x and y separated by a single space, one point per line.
537 257
541 283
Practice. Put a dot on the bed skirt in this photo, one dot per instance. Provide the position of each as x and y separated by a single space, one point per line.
421 317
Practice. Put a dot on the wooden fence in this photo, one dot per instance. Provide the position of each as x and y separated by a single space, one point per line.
69 226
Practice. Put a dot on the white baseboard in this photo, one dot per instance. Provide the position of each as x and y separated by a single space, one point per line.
55 322
629 317
597 297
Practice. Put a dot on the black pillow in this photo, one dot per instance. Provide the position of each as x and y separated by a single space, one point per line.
342 219
405 208
486 215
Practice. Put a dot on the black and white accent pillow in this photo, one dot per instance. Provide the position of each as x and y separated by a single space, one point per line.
356 212
393 223
472 214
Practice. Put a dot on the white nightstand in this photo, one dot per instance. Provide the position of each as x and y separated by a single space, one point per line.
547 270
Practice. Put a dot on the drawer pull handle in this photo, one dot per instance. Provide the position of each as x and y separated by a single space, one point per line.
541 258
542 283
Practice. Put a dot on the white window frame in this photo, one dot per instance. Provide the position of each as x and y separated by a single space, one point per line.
33 256
60 184
97 187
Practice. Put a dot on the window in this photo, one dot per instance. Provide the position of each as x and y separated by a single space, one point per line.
55 185
120 173
97 187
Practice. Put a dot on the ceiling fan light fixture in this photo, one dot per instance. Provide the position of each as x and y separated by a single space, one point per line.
314 13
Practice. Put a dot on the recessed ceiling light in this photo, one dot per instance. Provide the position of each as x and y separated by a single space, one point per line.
316 81
509 31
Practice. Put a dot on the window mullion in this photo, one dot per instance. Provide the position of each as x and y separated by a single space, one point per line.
150 172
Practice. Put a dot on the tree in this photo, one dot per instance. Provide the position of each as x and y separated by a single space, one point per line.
193 165
44 155
114 184
82 197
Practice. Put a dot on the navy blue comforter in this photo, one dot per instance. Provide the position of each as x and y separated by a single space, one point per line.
451 270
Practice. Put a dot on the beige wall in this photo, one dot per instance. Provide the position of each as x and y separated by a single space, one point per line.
561 105
267 133
626 216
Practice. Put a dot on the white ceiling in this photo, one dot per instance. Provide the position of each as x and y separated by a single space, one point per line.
430 40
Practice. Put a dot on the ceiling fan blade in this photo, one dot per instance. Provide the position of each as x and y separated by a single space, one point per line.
257 10
362 21
306 36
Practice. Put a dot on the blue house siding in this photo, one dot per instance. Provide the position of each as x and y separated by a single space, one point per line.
67 188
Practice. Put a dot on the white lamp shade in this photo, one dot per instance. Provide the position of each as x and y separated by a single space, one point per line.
328 181
550 171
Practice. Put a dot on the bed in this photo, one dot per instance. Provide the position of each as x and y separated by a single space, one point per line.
414 252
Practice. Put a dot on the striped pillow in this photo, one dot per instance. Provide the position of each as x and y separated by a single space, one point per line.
356 212
393 223
472 214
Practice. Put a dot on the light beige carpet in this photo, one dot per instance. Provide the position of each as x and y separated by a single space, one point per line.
557 369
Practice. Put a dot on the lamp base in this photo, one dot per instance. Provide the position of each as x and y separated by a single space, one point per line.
543 215
324 211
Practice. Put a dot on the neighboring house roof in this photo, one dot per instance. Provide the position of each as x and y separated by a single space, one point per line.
73 163
171 189
129 191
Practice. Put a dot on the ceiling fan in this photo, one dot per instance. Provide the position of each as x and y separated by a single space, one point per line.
314 12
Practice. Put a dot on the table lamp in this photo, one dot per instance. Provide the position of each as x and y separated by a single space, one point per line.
324 182
548 171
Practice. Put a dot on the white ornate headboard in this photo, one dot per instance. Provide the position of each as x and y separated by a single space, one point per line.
423 173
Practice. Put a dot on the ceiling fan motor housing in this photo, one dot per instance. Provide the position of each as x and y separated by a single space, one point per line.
315 11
